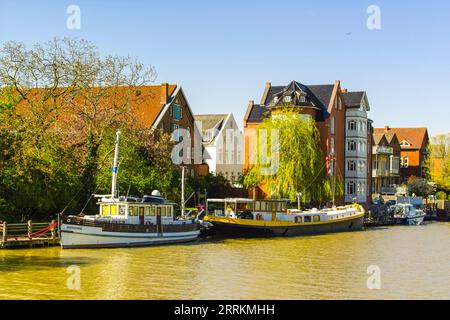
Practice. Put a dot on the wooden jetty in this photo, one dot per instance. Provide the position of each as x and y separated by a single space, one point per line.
28 235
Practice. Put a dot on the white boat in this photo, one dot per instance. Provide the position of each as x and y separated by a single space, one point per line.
407 214
127 221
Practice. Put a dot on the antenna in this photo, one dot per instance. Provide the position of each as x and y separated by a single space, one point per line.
114 169
183 169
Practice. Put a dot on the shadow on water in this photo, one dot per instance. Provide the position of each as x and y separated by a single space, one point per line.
33 262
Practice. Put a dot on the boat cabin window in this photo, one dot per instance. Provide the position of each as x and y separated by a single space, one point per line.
147 211
132 210
163 211
169 211
316 218
257 206
153 211
216 208
307 219
105 210
113 210
122 209
298 219
241 207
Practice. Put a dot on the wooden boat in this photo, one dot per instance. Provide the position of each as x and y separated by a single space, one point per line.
127 221
239 217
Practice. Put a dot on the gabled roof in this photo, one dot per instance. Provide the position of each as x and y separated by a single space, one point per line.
145 101
353 99
378 138
417 137
317 97
211 121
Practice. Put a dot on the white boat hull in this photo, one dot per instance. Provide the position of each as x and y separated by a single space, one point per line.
93 237
413 221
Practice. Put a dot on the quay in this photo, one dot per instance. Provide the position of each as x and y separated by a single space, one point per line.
28 235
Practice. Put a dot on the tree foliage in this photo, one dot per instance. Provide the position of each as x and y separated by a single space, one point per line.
301 164
440 161
420 187
60 105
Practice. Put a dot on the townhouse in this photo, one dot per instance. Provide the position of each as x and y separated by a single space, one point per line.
414 152
324 103
222 143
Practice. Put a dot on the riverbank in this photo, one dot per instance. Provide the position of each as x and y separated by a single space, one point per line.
413 261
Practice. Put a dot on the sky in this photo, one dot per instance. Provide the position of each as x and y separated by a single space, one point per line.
223 52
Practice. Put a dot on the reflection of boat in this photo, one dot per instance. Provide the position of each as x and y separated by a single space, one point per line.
406 213
125 222
247 217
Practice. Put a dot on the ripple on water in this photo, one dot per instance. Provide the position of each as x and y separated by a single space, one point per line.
414 263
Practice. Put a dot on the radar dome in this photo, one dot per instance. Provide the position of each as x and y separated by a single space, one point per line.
156 193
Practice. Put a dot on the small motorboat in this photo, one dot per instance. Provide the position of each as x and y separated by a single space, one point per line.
407 214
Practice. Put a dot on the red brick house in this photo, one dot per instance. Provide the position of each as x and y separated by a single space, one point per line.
325 103
414 150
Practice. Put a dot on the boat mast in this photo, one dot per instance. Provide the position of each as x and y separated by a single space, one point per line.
183 169
333 177
115 168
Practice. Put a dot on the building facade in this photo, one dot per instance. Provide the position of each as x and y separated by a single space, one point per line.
223 143
165 107
357 148
414 150
324 103
385 164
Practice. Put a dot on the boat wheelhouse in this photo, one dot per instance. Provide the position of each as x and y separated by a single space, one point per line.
128 221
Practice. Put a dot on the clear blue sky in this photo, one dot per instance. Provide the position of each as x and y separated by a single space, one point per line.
222 53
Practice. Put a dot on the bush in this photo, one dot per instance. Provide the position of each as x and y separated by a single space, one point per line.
441 195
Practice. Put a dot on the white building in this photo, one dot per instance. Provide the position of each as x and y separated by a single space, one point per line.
357 147
223 145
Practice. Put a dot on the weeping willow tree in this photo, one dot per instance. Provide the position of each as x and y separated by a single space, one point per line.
289 159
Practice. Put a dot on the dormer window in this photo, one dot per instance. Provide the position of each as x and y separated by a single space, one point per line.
302 99
275 100
287 99
405 143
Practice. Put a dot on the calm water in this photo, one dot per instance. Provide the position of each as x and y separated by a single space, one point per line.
414 263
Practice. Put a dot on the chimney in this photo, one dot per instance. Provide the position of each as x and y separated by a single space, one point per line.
266 92
344 90
386 128
251 103
164 93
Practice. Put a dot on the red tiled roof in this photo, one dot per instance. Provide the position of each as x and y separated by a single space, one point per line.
415 136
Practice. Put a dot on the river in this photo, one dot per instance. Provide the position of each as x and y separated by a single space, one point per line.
413 263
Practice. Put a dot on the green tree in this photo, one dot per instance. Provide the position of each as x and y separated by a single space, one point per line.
420 187
296 155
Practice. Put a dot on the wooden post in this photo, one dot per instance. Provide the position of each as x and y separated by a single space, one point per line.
5 232
30 228
53 230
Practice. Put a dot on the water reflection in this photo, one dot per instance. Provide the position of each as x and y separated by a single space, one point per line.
414 263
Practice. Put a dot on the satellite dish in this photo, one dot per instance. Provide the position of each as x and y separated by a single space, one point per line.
156 193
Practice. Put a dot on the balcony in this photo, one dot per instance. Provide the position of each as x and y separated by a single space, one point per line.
356 133
389 190
382 150
376 173
356 113
356 174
